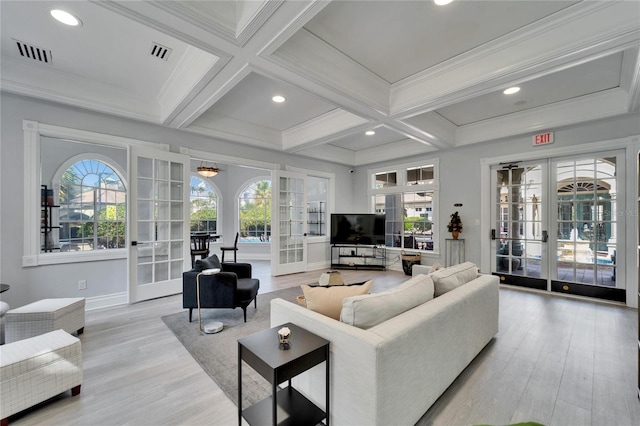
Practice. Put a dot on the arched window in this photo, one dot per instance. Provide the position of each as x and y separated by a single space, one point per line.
255 212
204 206
93 208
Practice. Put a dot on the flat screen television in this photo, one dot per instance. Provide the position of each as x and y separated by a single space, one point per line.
357 228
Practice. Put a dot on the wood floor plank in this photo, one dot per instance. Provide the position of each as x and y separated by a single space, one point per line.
555 360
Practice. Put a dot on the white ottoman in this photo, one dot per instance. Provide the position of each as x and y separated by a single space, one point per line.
43 316
36 369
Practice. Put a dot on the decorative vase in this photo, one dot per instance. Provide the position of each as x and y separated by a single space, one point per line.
455 234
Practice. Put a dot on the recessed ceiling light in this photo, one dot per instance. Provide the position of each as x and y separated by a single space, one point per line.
511 90
442 2
369 133
65 17
279 99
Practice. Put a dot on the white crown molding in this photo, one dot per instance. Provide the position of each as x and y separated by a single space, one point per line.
436 127
228 159
288 29
332 153
194 16
193 72
230 129
630 78
232 73
76 91
585 108
578 33
305 53
249 24
329 124
391 151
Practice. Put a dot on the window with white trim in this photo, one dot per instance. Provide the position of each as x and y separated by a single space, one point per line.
204 206
93 207
407 196
254 210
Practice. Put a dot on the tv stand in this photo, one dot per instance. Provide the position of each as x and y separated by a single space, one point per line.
358 256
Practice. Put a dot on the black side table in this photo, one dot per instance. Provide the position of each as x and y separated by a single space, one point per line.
262 352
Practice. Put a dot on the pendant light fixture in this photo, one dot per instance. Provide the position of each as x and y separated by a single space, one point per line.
207 171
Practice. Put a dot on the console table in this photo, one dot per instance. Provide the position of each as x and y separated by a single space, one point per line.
262 351
455 251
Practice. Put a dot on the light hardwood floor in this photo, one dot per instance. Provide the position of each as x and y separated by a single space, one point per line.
555 360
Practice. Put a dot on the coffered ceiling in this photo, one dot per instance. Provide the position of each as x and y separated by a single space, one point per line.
423 77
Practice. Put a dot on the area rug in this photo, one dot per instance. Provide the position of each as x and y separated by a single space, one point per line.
217 353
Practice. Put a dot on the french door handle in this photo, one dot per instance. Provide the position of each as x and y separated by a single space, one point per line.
545 236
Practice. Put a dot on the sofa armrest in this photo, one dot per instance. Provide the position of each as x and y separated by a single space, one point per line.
243 270
353 353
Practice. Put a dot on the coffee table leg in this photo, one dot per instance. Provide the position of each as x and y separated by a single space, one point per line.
239 384
327 383
274 392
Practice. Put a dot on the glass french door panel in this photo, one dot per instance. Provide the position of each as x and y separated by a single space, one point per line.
586 225
158 257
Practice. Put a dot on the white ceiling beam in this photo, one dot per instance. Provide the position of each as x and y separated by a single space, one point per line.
331 153
630 78
331 125
391 151
231 129
574 34
600 105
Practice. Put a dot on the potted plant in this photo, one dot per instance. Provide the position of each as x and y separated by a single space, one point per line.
455 225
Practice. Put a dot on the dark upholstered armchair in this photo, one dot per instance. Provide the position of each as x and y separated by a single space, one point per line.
232 287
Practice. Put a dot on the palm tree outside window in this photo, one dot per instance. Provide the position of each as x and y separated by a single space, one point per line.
255 212
204 206
93 208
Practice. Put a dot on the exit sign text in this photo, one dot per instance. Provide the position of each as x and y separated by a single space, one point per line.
543 139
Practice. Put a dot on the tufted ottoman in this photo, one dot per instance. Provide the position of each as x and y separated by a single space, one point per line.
38 368
43 316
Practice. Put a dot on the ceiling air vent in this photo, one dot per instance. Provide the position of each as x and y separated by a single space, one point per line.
160 51
35 53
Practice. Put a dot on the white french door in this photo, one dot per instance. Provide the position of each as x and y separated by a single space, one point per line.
158 225
555 224
520 222
289 233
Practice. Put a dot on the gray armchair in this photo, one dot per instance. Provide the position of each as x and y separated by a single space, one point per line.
232 288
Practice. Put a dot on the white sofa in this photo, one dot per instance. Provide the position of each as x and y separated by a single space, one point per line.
393 372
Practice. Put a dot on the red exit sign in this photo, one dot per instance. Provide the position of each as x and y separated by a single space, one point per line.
543 139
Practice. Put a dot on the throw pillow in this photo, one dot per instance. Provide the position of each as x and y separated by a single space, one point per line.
368 310
435 267
210 262
449 278
328 300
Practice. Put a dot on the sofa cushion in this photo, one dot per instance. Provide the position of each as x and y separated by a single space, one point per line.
328 300
454 276
210 262
368 310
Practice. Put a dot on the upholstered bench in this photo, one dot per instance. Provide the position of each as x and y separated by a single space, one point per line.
43 316
38 368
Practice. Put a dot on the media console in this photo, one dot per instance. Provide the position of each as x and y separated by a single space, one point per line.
358 256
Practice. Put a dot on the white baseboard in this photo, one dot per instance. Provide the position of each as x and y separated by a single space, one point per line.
106 301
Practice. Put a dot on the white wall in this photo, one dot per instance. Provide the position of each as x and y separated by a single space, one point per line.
106 280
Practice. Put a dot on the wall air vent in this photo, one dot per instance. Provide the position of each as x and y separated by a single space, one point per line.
160 51
35 53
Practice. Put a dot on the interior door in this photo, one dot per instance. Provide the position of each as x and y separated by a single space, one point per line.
158 225
519 224
290 230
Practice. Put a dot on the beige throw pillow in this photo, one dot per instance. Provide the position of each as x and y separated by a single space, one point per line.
328 300
454 276
369 310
